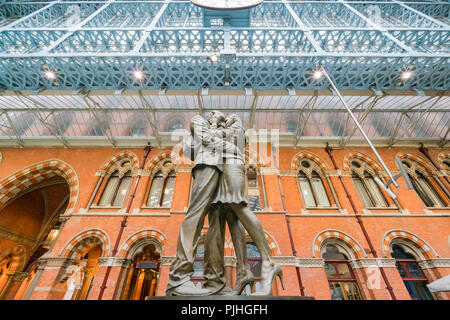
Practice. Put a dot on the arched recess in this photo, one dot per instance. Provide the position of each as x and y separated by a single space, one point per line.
296 159
18 182
84 239
118 158
354 248
357 155
419 160
275 249
159 238
443 159
423 249
152 165
18 255
143 250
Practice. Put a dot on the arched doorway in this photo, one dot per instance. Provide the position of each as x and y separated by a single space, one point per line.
29 220
81 275
144 273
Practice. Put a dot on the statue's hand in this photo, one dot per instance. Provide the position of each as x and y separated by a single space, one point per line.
230 120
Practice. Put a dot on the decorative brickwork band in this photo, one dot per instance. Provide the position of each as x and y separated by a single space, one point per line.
296 160
138 236
11 186
426 250
18 255
326 235
86 239
357 155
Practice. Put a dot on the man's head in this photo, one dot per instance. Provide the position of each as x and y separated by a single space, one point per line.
216 116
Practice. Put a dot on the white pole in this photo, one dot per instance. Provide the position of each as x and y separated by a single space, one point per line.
360 128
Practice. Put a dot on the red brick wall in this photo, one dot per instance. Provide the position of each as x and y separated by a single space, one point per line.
432 228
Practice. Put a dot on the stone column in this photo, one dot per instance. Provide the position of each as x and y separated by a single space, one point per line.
229 263
369 278
116 265
13 284
49 281
435 269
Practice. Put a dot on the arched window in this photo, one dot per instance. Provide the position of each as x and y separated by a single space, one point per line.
341 278
252 187
139 128
411 274
162 186
421 180
311 185
368 189
117 186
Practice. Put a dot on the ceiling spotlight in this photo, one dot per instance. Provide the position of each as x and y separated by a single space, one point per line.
213 58
407 74
50 75
138 75
317 74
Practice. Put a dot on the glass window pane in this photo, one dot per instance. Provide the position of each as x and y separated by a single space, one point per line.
122 191
430 197
330 271
362 192
336 292
321 194
402 271
198 268
307 192
155 191
168 192
252 251
254 203
376 193
351 290
109 191
344 270
413 270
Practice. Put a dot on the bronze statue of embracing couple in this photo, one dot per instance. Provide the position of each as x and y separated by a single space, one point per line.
217 147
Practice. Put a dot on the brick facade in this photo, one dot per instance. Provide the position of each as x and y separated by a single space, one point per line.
85 225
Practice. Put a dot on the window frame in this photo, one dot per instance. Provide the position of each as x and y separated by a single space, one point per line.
314 168
114 195
166 172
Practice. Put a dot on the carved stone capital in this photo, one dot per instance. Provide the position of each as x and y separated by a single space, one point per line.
18 276
48 262
229 261
434 263
167 260
114 262
372 263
